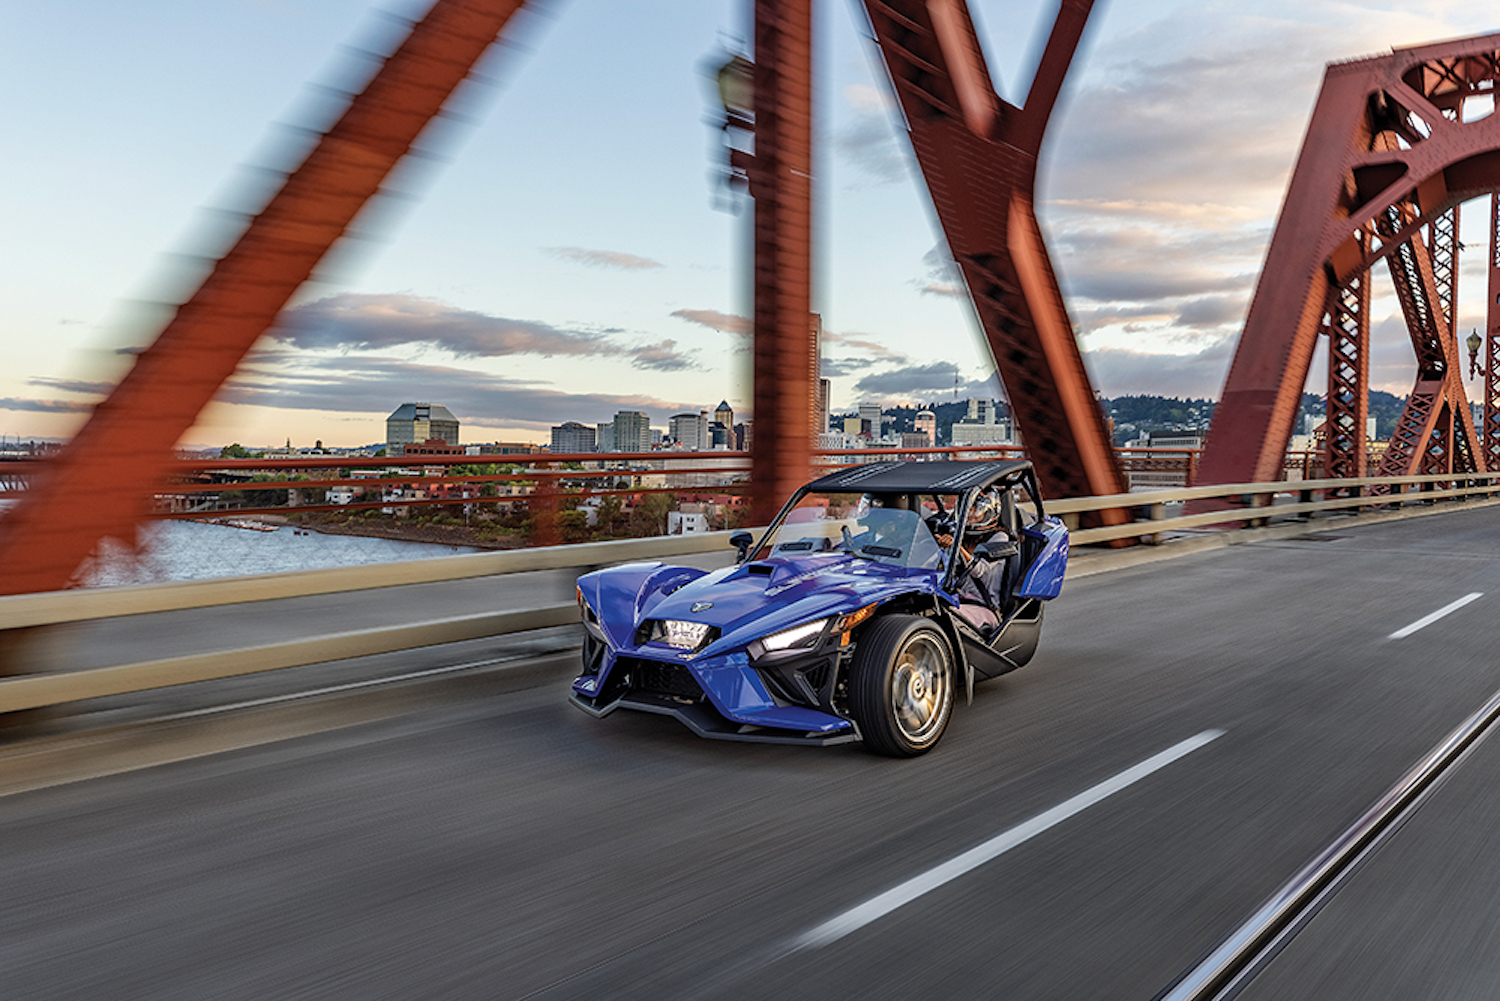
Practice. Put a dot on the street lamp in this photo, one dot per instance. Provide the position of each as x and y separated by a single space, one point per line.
736 86
1473 342
736 80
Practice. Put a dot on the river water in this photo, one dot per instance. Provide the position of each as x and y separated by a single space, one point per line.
191 550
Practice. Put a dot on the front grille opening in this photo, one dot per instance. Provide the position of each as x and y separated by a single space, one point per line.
663 679
781 692
817 676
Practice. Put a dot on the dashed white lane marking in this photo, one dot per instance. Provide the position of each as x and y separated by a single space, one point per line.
1429 619
878 907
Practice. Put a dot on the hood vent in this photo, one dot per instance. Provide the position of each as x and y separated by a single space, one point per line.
760 569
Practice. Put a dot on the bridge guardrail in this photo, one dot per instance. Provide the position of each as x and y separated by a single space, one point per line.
55 607
60 607
1260 497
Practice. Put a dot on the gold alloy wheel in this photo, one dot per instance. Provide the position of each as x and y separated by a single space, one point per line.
920 688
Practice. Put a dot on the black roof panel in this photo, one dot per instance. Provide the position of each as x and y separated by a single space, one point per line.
948 476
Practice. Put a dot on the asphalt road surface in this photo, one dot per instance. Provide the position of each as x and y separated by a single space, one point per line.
1189 734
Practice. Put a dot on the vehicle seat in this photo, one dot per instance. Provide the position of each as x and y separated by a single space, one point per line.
979 616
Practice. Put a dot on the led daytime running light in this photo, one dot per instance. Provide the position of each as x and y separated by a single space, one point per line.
796 636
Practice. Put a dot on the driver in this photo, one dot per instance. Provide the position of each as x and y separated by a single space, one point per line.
981 590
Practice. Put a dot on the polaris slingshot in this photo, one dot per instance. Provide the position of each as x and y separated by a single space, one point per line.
876 592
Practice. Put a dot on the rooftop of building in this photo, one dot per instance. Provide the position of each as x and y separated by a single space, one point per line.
412 412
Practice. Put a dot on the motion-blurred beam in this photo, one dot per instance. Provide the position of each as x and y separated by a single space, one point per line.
780 176
102 484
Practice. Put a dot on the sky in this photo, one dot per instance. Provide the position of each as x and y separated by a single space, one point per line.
564 247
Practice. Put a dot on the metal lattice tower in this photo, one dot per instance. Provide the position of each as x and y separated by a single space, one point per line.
1348 375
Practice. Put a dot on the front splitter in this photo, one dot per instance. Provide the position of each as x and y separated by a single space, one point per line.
704 721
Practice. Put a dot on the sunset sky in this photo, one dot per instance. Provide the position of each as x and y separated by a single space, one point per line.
567 251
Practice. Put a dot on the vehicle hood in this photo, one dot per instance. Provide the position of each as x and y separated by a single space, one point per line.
746 601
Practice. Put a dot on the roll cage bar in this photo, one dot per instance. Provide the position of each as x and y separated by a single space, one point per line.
1008 474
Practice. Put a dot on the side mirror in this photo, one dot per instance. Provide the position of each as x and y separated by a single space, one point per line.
741 541
996 550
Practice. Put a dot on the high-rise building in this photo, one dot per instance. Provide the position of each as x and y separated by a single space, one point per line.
926 423
724 414
632 431
974 433
414 423
982 412
871 412
691 430
604 437
572 437
817 395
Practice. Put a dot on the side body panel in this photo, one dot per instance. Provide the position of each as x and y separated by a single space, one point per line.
1044 578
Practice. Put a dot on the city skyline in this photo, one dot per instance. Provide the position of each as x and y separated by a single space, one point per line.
525 285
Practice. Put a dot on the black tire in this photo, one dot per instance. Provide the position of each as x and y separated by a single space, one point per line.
902 685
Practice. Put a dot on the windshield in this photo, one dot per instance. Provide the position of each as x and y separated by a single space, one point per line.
861 524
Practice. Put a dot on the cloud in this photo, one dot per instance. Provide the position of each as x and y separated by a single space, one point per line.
835 368
603 258
943 276
1121 372
1393 363
375 385
662 357
871 141
73 386
908 380
942 288
45 406
1213 113
1211 311
862 342
1141 264
729 323
371 322
933 380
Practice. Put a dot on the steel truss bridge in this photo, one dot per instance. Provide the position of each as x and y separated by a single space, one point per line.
1253 760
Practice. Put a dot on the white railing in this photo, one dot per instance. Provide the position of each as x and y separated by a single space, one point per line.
1248 505
1257 502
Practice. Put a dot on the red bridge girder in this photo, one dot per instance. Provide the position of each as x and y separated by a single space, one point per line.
1489 437
978 155
1385 156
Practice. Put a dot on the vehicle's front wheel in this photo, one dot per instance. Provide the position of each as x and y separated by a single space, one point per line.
901 685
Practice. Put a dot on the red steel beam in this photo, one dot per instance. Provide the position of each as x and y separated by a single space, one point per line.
1490 439
780 176
978 155
1433 434
1348 404
1442 240
128 441
1335 223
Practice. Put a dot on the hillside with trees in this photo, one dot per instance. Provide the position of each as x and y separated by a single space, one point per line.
1136 416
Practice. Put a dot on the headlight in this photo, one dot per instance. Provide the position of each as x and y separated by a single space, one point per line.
804 635
683 635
